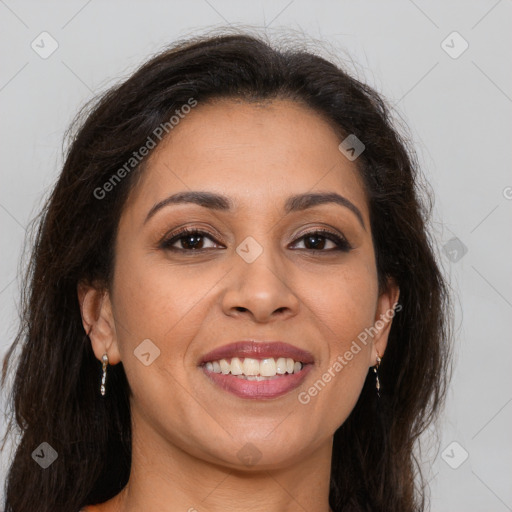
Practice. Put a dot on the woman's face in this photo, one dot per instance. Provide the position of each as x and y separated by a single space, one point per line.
251 274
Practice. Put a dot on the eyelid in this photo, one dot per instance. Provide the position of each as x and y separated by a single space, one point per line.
185 229
319 229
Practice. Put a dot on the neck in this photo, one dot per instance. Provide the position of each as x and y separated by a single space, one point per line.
165 478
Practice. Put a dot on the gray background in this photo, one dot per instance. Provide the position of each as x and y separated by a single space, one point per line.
458 109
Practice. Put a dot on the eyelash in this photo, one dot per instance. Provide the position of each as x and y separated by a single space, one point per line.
166 244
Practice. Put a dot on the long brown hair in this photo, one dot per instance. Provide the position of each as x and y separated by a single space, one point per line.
55 396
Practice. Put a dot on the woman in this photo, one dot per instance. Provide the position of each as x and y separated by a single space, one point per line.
233 301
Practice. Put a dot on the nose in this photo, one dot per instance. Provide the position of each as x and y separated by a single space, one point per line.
262 289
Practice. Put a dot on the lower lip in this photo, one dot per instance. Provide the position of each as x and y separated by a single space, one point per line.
262 389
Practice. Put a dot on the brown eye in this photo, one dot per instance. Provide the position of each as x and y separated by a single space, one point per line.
316 241
190 239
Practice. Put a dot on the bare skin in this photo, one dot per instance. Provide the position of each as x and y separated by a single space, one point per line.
187 432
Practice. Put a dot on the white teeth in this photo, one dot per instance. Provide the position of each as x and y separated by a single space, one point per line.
268 367
281 366
255 369
236 366
251 366
224 366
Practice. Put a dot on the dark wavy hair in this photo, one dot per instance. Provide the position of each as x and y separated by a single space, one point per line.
54 396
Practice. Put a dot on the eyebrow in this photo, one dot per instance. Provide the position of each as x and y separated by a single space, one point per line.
219 202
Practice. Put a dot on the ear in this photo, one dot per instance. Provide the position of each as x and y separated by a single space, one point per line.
387 304
98 320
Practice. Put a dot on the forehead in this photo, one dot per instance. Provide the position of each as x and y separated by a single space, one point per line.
257 153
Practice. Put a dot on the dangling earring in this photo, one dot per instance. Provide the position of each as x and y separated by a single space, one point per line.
375 368
104 376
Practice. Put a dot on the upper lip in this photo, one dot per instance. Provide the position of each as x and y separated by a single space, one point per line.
258 350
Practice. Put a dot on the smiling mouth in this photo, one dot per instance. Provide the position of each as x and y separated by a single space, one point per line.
257 378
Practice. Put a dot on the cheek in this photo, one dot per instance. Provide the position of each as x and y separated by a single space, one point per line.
158 303
344 303
154 299
344 309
